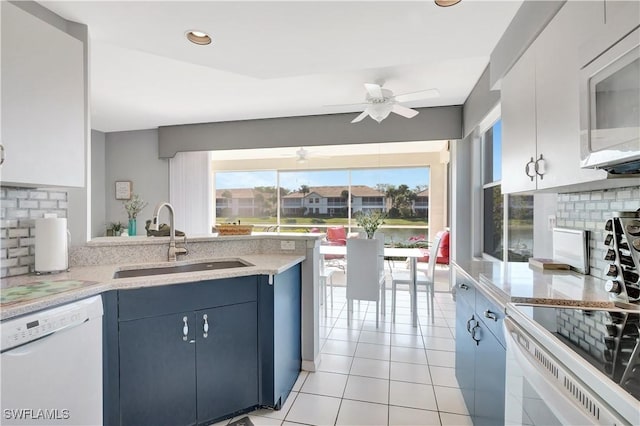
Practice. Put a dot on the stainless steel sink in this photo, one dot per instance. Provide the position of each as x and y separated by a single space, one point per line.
194 267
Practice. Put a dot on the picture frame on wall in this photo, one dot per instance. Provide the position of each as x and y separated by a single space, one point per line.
123 190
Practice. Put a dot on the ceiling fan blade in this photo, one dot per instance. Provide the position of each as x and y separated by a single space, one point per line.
374 90
415 96
360 117
404 111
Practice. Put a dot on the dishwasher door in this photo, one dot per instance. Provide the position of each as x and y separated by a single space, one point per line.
51 366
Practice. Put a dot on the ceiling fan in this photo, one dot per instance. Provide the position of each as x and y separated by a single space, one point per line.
302 155
381 102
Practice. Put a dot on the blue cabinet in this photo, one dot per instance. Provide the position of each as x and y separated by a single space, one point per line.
226 360
480 353
196 353
280 335
157 371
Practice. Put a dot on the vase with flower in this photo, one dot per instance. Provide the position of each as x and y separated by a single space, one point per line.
370 221
133 206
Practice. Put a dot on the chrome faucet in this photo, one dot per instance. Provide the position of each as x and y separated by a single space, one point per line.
155 226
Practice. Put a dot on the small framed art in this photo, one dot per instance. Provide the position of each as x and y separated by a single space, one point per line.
123 190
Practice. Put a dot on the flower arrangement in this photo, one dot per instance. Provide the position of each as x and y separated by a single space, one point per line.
134 205
370 221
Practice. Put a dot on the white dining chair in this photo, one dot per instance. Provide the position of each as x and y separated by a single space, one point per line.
325 276
423 278
365 273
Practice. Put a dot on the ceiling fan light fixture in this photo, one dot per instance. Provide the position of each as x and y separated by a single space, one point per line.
198 37
379 111
447 3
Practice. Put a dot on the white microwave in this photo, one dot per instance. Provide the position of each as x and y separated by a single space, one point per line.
610 108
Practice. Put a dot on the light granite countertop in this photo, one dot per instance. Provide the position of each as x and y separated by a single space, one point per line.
100 278
518 282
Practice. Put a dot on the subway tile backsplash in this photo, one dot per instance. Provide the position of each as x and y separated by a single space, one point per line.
19 207
590 210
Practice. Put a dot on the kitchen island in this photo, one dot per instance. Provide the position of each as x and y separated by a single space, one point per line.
245 331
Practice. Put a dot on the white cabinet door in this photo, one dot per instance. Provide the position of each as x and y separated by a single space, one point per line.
43 102
518 106
557 96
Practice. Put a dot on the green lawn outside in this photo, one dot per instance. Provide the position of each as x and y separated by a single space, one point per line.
309 221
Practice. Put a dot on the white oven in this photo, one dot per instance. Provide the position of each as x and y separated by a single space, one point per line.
550 382
610 108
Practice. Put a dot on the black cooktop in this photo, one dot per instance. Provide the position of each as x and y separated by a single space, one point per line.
608 340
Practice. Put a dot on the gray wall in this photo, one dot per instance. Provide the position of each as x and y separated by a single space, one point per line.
479 103
98 184
529 21
134 156
440 123
461 199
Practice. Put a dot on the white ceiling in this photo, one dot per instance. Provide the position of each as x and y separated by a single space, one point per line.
275 59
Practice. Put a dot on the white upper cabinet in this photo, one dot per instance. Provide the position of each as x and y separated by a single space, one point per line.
558 95
518 106
540 99
43 102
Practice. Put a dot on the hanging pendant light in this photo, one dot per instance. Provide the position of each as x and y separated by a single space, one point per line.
447 3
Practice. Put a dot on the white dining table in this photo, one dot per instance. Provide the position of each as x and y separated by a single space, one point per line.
411 253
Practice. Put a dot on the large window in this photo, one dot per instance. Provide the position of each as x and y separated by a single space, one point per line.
322 198
516 210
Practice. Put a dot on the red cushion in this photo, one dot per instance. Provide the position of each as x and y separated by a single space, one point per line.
337 234
443 250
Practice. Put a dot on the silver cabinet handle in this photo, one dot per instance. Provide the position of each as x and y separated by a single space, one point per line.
205 328
185 329
527 168
464 287
469 323
1 154
473 334
541 167
490 315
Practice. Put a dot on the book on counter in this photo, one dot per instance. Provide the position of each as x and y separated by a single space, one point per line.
548 264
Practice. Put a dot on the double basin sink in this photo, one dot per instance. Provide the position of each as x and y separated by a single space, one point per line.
176 269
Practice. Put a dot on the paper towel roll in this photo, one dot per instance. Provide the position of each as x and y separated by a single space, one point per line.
51 245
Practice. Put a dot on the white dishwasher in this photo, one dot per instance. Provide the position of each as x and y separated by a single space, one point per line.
51 366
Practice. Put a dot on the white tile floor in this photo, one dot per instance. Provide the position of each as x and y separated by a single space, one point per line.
394 375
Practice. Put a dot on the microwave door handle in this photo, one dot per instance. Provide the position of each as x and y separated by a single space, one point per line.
549 392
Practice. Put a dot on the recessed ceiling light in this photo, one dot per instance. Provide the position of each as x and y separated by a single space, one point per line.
198 37
447 3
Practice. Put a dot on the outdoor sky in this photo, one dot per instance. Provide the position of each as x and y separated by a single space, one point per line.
293 180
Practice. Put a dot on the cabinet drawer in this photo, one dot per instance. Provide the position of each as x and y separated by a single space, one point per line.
162 300
465 289
491 315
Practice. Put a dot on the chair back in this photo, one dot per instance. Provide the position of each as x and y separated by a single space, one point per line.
364 258
433 255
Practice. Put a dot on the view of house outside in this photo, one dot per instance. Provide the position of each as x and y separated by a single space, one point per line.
315 200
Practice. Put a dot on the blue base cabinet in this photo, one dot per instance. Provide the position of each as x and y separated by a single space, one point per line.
480 353
196 353
157 372
280 335
226 360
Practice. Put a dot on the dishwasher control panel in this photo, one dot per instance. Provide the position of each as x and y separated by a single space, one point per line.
25 329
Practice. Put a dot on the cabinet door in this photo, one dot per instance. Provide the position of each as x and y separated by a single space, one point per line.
558 96
490 364
227 360
157 371
43 102
465 353
518 108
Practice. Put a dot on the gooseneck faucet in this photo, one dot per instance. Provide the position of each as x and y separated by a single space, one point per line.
155 226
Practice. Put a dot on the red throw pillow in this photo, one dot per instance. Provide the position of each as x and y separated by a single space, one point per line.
337 234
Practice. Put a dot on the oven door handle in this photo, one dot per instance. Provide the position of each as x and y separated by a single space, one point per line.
538 378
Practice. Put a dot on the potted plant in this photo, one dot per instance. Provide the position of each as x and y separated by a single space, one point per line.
133 206
370 221
114 229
